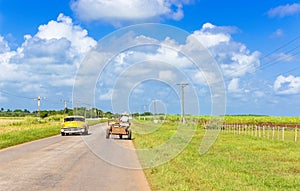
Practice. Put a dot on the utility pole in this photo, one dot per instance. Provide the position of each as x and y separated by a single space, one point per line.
144 112
154 107
65 105
76 109
138 110
39 106
182 101
38 99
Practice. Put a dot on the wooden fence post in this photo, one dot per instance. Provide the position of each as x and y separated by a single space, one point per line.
248 129
283 133
234 129
256 131
273 132
296 131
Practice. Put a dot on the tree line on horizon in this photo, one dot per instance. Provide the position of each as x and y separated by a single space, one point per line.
89 113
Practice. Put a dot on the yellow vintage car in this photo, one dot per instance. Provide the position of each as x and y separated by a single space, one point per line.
74 125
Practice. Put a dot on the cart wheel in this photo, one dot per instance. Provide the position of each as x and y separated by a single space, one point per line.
107 133
129 134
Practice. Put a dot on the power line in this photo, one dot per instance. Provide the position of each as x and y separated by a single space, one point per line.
14 95
281 47
289 71
287 56
273 62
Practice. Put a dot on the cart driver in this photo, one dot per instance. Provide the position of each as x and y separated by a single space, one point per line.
124 121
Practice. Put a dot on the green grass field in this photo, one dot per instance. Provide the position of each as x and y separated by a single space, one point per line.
234 162
15 131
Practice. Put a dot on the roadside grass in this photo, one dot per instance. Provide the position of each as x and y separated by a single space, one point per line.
17 130
28 134
92 122
234 162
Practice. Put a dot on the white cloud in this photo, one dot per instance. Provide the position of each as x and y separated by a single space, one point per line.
64 28
233 85
129 10
258 94
138 89
3 45
277 33
233 57
284 10
238 63
280 57
210 35
287 85
50 57
166 75
106 96
204 78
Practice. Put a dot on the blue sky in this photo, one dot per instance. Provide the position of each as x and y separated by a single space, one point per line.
255 44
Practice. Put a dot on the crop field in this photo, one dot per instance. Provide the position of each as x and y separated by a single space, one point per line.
234 162
4 121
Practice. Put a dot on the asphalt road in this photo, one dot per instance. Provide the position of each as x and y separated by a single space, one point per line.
74 163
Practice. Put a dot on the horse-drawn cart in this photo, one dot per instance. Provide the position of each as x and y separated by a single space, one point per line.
119 127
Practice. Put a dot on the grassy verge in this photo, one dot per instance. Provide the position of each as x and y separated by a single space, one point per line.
15 131
233 163
21 136
94 122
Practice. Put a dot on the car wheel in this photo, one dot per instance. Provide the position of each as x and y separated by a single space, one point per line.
129 134
107 133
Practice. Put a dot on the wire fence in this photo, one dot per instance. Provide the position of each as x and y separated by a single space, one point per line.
284 132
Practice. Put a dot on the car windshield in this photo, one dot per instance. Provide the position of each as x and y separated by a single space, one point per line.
74 119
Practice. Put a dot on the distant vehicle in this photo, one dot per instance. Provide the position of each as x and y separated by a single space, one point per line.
74 125
119 127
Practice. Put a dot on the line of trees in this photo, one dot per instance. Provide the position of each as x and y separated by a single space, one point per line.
88 113
15 113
